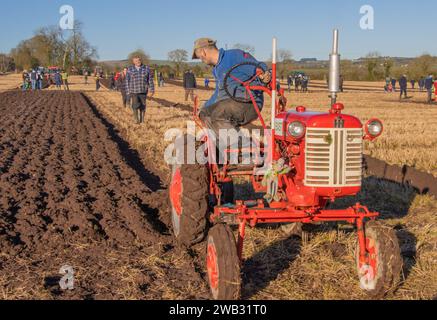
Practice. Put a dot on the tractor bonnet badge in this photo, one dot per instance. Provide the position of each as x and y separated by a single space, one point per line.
339 122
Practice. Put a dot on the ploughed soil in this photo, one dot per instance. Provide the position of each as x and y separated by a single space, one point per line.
72 192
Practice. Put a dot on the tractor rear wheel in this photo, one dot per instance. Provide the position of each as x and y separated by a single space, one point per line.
381 274
188 193
224 275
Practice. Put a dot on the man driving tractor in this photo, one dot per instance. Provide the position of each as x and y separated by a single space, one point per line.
220 111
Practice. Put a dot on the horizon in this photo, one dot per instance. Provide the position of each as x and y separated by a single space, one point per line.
114 37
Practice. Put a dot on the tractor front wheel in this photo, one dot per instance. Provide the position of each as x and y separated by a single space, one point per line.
223 264
380 274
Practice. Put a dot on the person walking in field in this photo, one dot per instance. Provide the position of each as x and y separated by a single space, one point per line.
25 77
189 84
207 83
139 81
85 76
39 79
98 82
341 83
289 82
161 79
393 84
421 84
429 83
413 84
65 80
403 85
122 87
58 80
33 78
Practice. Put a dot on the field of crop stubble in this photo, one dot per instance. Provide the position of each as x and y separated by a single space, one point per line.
321 267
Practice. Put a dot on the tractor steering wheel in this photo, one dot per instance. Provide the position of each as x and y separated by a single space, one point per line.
231 92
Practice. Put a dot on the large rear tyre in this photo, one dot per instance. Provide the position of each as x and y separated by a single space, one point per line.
381 274
224 275
188 195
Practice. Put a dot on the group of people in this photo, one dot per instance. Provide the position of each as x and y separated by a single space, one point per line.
299 81
427 84
34 80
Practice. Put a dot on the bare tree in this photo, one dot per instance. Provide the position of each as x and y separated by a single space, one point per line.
245 47
178 57
285 59
372 61
284 55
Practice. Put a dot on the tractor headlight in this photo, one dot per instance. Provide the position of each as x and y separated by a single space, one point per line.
296 129
374 128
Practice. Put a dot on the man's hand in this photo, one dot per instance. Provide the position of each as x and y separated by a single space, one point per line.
266 77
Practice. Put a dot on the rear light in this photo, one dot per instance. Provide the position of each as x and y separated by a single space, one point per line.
296 129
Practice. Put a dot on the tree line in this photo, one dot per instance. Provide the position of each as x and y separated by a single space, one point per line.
52 46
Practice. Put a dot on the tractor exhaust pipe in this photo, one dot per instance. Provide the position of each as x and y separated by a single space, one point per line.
334 69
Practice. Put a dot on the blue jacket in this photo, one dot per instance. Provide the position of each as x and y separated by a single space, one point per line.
428 83
227 60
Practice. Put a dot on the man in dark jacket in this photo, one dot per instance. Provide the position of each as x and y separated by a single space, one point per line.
428 86
403 84
413 84
189 84
393 84
139 80
122 87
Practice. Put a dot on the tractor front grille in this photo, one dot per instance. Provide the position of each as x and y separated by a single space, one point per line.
333 157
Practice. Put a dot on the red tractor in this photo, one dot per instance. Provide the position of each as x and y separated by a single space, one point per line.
313 159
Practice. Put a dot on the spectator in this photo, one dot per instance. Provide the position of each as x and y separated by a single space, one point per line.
428 86
64 76
413 84
39 78
403 85
58 80
161 79
305 81
341 83
393 84
112 82
189 84
207 82
98 82
24 76
289 82
85 76
121 86
139 80
297 82
33 79
421 83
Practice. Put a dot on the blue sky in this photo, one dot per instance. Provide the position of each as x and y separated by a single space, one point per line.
402 28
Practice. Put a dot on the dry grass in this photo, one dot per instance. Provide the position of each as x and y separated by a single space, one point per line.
323 267
10 81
